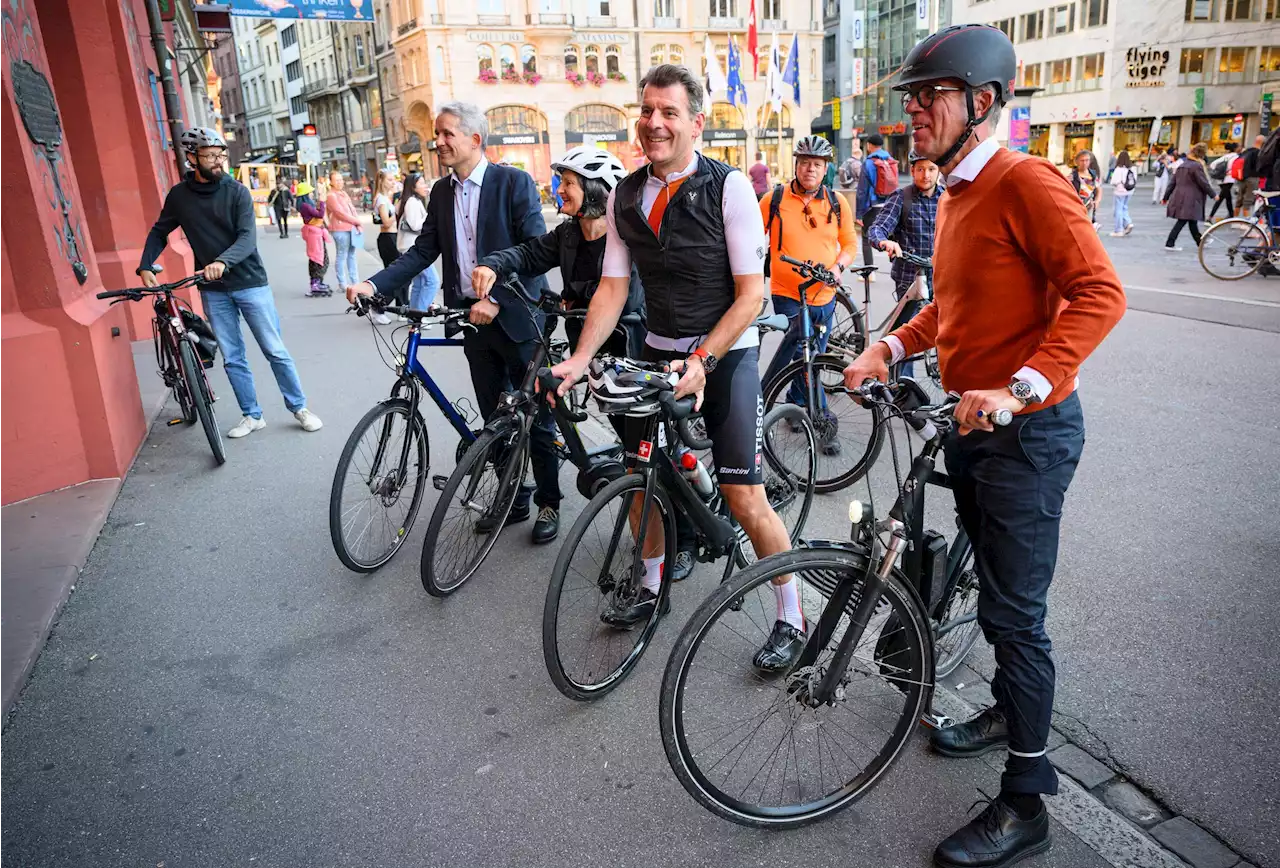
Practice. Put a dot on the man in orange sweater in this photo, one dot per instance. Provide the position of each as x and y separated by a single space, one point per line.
1019 304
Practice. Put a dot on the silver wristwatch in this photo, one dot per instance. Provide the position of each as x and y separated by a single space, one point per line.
1023 392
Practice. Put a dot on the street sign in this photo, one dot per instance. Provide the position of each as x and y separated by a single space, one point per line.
859 29
1020 129
308 150
166 10
858 76
1198 101
835 115
1264 115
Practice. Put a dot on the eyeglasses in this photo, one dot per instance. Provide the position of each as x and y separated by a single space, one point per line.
213 158
926 95
813 223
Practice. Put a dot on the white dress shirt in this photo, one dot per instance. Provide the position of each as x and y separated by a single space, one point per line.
966 170
466 210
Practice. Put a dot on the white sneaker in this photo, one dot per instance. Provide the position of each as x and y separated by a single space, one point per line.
1117 234
381 319
246 427
309 421
1172 249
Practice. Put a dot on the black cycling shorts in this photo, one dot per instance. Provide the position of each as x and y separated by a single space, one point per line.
733 407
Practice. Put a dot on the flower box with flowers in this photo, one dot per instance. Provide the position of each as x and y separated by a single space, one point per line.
595 78
574 79
617 76
488 76
511 75
532 77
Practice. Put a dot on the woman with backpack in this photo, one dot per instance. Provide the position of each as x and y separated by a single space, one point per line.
1123 181
1186 198
1220 173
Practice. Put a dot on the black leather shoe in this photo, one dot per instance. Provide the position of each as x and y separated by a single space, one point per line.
993 839
682 567
547 527
628 612
518 514
781 650
985 733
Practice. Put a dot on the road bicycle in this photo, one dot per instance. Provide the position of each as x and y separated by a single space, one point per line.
601 561
782 751
181 338
380 478
1237 247
474 503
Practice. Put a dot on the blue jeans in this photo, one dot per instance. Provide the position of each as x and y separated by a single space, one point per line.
790 348
1009 487
1122 212
423 288
345 267
258 307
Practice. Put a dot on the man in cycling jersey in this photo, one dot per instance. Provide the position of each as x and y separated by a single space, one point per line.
691 225
1015 312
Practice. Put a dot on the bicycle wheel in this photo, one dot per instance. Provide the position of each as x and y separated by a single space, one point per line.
181 393
472 508
956 615
848 336
1233 249
752 749
374 500
789 442
198 386
600 563
849 436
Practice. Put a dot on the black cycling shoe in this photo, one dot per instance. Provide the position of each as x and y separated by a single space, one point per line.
987 732
547 527
995 838
683 566
781 650
628 612
518 514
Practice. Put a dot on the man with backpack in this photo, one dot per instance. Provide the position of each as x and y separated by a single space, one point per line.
1220 174
1246 173
879 181
808 221
851 171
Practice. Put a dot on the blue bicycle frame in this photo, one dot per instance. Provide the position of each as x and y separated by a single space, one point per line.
413 369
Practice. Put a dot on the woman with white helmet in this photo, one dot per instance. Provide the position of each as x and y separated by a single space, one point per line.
587 176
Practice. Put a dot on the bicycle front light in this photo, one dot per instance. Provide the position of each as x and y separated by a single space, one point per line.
856 511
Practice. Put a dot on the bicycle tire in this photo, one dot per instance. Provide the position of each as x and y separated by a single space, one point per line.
199 386
180 388
781 484
416 430
848 333
442 576
622 488
733 600
959 599
1249 232
835 472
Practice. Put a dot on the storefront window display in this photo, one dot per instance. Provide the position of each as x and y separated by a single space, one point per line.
724 137
777 149
1038 143
1217 131
518 135
1079 137
604 126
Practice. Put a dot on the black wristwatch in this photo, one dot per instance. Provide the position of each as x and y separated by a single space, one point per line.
1023 392
709 361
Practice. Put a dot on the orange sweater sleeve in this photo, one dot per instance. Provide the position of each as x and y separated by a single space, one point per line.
1043 216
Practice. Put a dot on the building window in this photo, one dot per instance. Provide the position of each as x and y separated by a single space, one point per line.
1239 10
1033 26
724 117
1090 67
603 9
1005 26
829 48
507 59
1200 10
359 50
595 118
1031 75
593 59
723 8
612 58
1062 19
675 54
484 55
1059 76
1234 64
1192 66
438 67
293 70
1271 9
772 10
528 59
491 7
297 106
1093 13
288 37
1268 61
657 55
570 60
664 9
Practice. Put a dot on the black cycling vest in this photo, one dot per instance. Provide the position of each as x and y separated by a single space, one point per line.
688 284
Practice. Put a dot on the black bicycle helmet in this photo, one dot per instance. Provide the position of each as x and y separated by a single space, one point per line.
976 54
195 138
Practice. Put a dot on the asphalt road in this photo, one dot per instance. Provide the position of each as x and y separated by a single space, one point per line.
220 691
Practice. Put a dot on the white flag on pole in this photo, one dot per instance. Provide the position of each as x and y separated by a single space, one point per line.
773 81
717 84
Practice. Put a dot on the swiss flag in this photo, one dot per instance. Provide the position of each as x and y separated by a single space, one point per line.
753 44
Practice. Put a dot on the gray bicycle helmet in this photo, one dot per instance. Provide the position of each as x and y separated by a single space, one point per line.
192 140
814 146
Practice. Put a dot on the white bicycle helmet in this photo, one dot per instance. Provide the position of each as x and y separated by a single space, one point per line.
622 388
196 138
591 162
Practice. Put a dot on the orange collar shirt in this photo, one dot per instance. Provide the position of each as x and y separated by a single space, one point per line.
800 240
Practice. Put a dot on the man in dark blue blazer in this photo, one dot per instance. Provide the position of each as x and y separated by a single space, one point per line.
481 208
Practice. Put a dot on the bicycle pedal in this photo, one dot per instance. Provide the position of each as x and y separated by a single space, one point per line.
439 482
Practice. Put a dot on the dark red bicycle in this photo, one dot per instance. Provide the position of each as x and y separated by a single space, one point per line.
185 347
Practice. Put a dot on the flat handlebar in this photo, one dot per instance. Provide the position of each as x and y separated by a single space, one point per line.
813 270
137 292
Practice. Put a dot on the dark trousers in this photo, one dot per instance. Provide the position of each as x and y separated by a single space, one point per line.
498 365
868 252
1224 196
1177 230
282 218
791 347
1009 487
616 345
389 254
